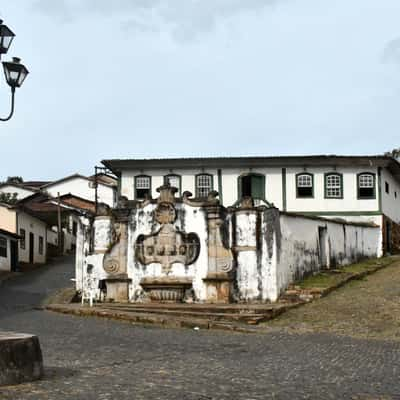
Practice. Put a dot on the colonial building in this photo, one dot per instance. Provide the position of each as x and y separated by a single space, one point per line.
77 185
8 250
353 188
31 231
84 187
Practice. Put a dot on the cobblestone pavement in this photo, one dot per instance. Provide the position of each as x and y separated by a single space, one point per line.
100 359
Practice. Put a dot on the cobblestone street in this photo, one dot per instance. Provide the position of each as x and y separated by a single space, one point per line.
89 358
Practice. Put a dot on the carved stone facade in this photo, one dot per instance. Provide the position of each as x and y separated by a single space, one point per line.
195 250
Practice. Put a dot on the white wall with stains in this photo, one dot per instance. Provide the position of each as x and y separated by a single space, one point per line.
271 249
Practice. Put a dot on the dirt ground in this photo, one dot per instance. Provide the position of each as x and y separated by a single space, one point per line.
367 308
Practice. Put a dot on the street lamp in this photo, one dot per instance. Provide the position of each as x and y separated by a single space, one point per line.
6 37
14 71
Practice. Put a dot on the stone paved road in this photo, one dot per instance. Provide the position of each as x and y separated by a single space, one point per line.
100 359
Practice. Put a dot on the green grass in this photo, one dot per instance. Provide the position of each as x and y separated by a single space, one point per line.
326 279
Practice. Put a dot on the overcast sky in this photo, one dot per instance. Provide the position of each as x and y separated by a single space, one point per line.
162 78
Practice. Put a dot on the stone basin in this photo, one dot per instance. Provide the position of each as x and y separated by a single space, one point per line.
20 358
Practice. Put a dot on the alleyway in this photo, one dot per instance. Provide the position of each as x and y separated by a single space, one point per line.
99 359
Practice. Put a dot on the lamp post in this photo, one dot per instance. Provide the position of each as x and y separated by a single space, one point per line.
15 72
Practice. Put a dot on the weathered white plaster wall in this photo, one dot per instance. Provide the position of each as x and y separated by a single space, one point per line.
272 249
189 219
300 248
391 200
82 252
38 228
80 187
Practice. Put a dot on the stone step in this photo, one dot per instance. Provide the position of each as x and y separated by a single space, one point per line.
252 316
212 316
207 308
164 320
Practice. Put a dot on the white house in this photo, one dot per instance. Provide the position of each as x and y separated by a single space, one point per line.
83 187
8 250
353 188
30 230
19 190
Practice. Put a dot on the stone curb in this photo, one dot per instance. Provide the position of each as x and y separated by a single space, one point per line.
161 321
316 293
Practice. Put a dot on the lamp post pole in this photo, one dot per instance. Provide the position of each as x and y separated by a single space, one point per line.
98 170
15 72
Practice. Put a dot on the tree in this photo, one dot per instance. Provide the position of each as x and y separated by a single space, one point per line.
8 198
15 179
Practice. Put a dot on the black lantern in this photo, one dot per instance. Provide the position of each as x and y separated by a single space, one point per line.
15 72
6 37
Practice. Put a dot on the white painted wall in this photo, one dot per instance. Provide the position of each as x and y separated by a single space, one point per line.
391 200
300 254
38 228
79 186
21 192
274 187
5 262
350 202
157 180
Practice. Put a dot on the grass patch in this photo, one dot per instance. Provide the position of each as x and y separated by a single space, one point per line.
331 278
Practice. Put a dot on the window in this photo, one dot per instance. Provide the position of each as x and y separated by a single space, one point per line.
173 180
251 185
142 187
204 185
22 233
333 186
304 185
74 228
40 244
395 195
366 186
3 247
387 189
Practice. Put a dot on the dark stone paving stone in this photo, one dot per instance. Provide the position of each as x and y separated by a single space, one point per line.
90 358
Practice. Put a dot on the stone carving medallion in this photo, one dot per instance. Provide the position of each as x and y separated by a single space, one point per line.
168 245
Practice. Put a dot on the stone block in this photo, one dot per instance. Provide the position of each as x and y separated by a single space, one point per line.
20 358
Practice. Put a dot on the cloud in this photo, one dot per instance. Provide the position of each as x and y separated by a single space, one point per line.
391 53
183 19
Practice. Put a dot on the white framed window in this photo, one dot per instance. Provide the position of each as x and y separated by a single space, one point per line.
366 185
142 187
304 185
333 186
204 185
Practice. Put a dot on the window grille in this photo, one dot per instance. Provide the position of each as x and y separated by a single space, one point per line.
333 186
366 186
142 187
203 185
304 185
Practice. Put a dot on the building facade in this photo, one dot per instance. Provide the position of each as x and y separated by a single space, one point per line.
179 248
8 251
353 188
